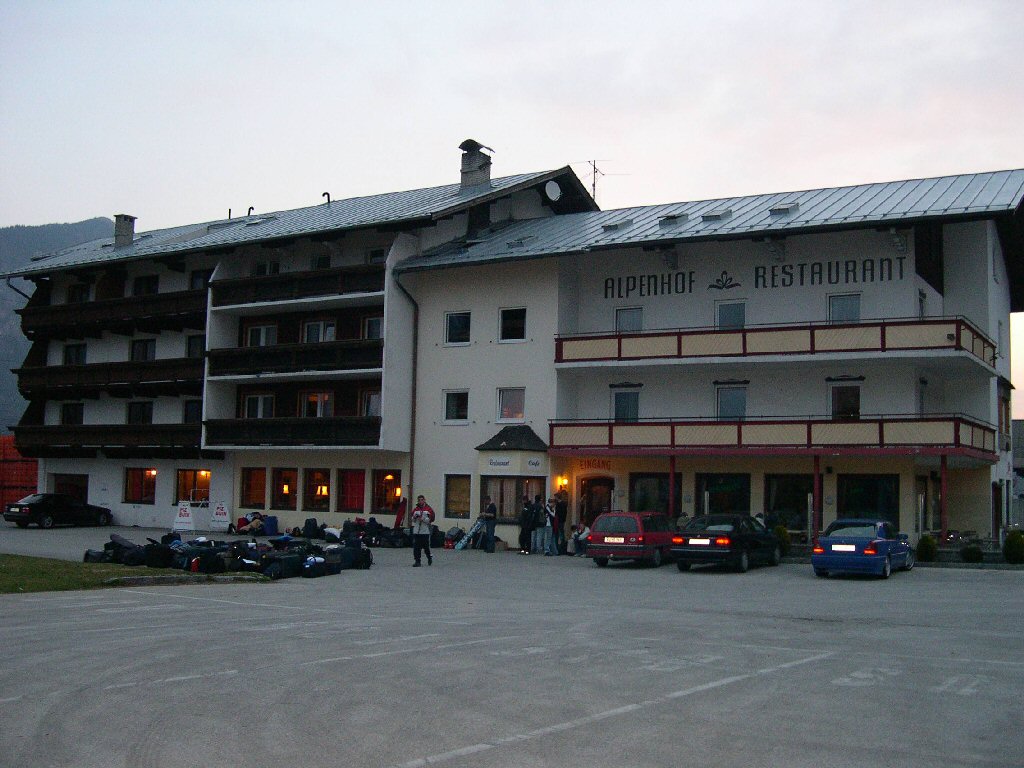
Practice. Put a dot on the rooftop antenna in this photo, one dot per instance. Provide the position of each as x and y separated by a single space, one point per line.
596 172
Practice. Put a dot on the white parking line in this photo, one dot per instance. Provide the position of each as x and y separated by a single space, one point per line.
599 716
399 651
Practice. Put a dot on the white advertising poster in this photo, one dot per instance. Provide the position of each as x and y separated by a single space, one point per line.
184 521
219 519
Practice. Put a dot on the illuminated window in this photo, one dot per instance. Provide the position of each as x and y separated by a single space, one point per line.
511 404
284 489
193 485
316 489
140 485
254 487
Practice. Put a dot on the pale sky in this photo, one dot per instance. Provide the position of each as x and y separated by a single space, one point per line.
177 111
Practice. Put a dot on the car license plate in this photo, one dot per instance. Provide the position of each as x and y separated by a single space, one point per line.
614 540
702 542
844 548
12 509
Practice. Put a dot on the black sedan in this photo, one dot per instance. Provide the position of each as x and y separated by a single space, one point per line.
49 509
736 540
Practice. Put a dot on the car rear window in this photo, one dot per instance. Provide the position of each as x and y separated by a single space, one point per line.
615 524
851 529
711 523
31 499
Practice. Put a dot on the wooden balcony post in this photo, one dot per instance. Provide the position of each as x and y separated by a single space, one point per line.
943 510
817 512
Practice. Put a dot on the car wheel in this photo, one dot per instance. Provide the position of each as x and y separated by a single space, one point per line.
22 523
601 562
656 558
776 557
103 519
46 521
821 573
743 562
683 567
886 569
911 560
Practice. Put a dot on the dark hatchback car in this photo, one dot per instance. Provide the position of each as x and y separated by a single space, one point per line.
49 509
645 536
736 540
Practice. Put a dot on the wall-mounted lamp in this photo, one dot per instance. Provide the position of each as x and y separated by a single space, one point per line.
151 472
204 473
562 482
389 476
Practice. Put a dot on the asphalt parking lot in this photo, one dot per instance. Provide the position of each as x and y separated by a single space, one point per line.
505 660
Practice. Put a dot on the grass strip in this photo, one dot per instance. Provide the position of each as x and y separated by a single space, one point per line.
20 574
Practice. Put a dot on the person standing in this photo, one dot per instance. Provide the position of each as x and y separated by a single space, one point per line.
562 509
550 526
537 544
525 526
422 518
490 517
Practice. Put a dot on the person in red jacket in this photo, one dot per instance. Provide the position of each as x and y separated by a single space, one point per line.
422 518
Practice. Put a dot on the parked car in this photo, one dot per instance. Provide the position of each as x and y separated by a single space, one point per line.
857 545
730 539
49 509
645 536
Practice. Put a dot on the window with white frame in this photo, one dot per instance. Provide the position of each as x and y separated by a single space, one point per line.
456 328
316 331
259 406
626 404
732 403
317 404
456 406
844 308
511 404
261 335
513 324
628 319
373 327
731 314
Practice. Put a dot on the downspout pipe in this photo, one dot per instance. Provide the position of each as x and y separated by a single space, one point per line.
415 366
17 290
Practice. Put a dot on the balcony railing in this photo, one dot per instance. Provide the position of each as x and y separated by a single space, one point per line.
932 434
153 313
297 285
120 439
152 377
336 431
899 335
284 358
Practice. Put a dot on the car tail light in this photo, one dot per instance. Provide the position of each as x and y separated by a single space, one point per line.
26 510
590 537
818 549
678 539
722 541
640 539
871 549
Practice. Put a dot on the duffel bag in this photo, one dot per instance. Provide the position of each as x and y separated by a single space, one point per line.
96 556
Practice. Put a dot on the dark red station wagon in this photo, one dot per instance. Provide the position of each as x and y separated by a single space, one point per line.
645 536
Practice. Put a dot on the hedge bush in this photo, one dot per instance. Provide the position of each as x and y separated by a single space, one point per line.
972 554
785 541
1013 547
927 549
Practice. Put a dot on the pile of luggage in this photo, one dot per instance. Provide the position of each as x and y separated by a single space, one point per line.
279 558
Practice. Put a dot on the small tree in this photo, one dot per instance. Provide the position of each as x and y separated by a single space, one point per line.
927 549
1013 547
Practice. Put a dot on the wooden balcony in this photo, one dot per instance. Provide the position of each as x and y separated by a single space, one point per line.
179 376
336 431
114 440
358 354
289 286
150 314
866 436
879 336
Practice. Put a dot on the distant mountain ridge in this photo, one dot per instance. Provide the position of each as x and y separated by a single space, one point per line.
18 244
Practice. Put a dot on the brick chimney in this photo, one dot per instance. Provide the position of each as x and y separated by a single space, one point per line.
476 166
124 230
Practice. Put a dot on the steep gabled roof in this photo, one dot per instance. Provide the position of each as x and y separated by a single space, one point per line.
516 437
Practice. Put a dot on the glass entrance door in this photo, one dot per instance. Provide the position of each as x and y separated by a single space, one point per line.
595 497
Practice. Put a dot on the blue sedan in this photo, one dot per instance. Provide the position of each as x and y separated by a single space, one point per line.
858 545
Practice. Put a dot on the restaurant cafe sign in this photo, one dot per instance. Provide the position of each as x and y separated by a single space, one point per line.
830 272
